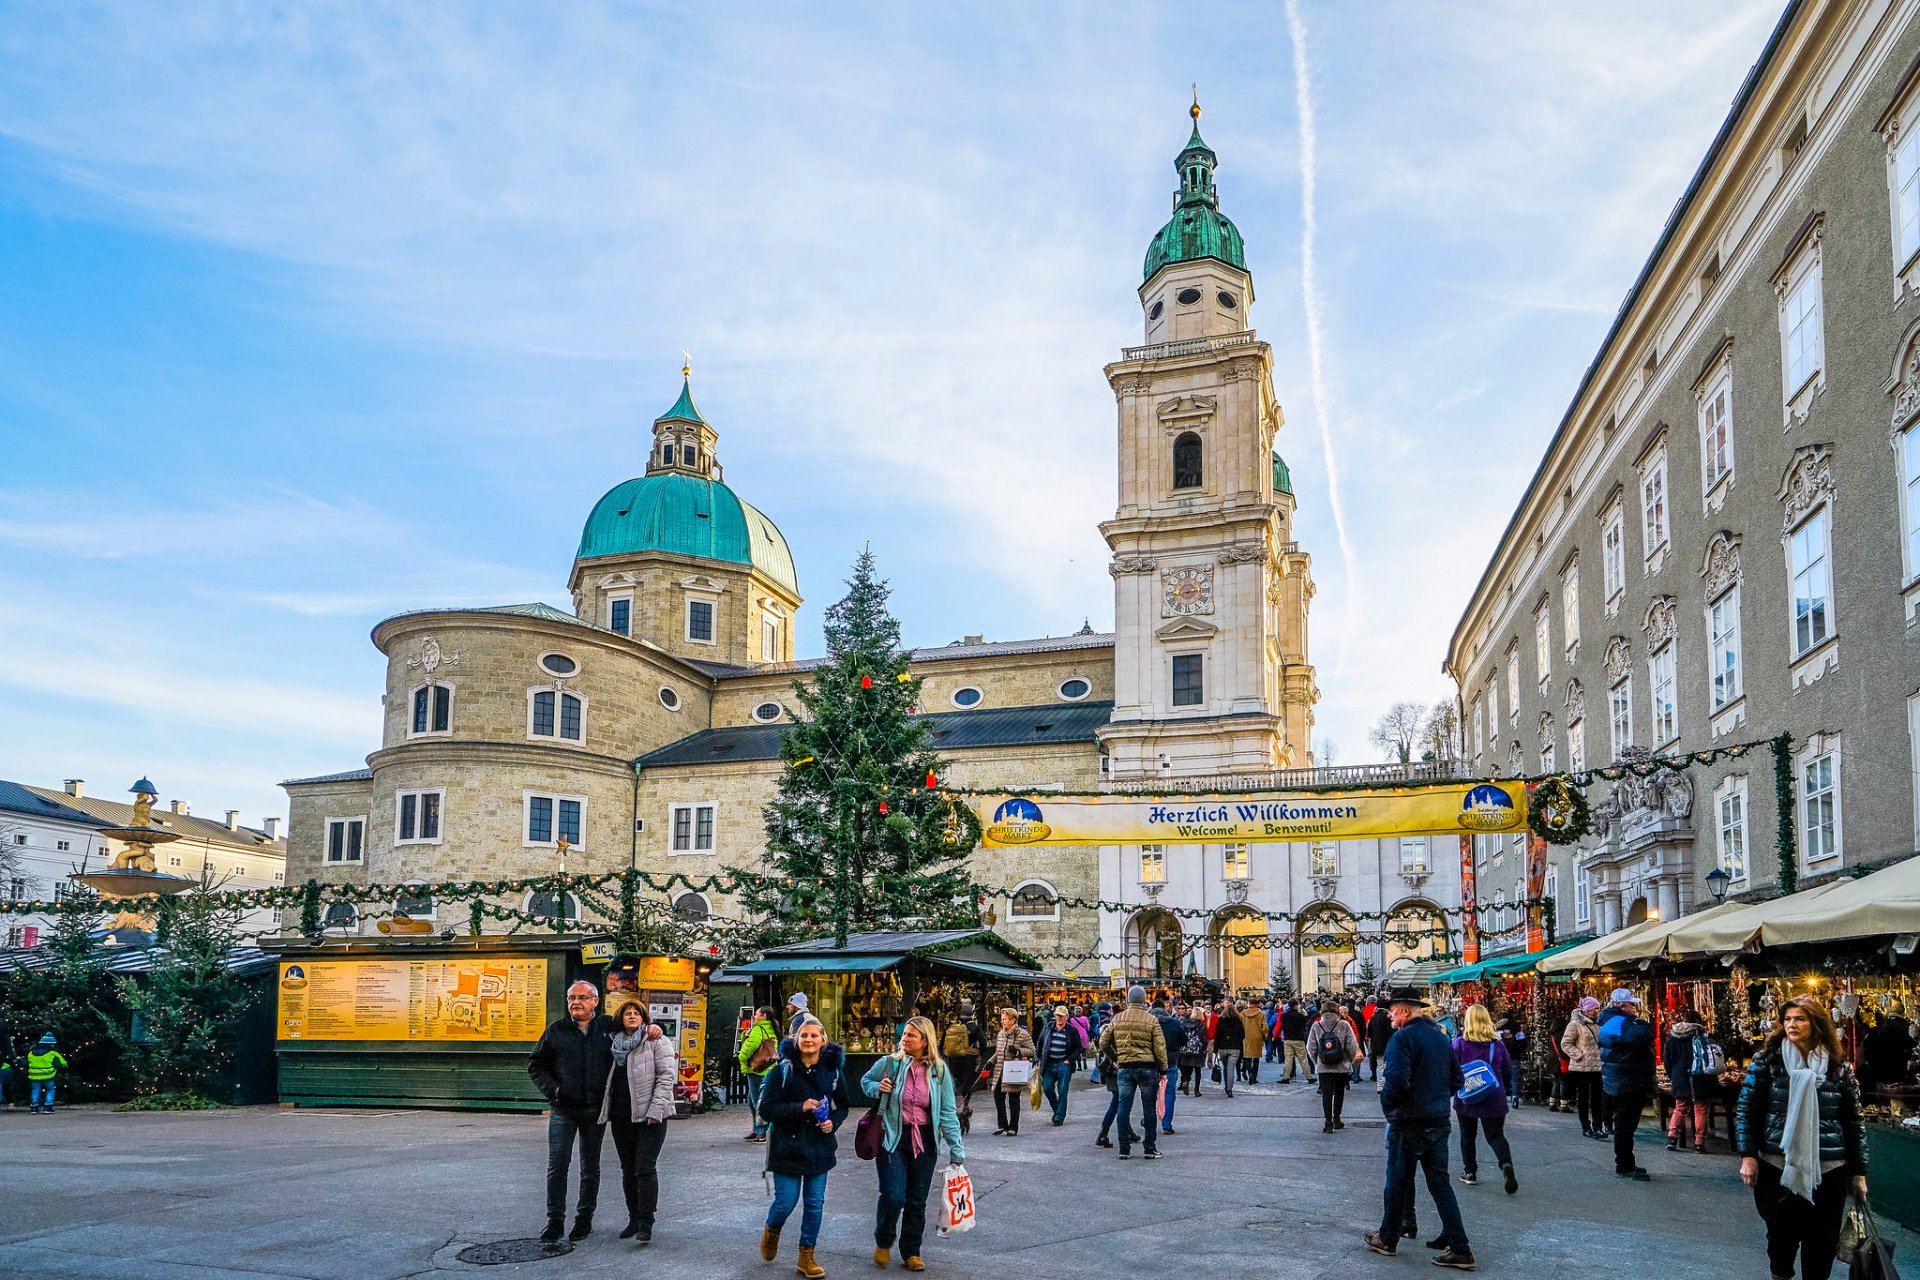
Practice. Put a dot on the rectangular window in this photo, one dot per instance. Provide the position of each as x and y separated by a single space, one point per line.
1478 737
1716 435
1570 607
1543 646
1910 490
345 839
539 819
555 714
1547 750
693 828
620 616
1493 713
1906 186
1820 807
1723 647
1153 864
1234 861
1613 554
570 717
1666 711
1582 898
1653 506
1733 829
1812 605
62 846
1413 855
1187 687
1620 716
769 640
543 714
1802 332
1576 745
417 817
700 621
1913 762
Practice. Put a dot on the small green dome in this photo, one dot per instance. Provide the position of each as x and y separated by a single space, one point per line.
686 515
1197 229
1282 478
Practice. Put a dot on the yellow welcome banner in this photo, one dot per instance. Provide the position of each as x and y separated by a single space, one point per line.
1009 821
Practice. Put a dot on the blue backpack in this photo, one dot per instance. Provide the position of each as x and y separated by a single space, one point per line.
1480 1082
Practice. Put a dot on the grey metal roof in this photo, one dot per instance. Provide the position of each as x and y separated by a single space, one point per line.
351 775
878 943
950 731
15 798
933 653
131 959
114 813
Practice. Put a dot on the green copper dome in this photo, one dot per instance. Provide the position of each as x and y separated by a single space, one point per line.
1197 229
690 516
1282 478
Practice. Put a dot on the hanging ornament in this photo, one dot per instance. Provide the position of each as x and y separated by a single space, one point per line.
883 806
866 682
931 780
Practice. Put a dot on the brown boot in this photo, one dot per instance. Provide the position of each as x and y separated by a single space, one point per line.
882 1256
769 1244
807 1267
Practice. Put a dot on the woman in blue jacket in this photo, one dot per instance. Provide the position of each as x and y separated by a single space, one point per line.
805 1102
914 1088
1489 1110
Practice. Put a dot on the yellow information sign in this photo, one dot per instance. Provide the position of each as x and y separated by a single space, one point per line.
447 999
1009 821
665 973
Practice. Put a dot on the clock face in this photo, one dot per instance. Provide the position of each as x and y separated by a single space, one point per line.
1189 590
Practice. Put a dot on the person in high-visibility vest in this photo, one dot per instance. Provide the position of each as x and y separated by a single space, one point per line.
43 1063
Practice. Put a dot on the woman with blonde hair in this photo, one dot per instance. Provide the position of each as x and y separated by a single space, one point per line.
914 1087
1483 1103
1013 1043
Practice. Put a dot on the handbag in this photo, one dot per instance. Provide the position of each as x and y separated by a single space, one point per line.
1016 1071
1480 1081
1215 1073
763 1056
1868 1254
870 1135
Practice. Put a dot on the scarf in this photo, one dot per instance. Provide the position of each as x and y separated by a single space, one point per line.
624 1044
1800 1139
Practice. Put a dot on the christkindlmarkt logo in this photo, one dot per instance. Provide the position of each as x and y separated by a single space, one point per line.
1487 808
1017 821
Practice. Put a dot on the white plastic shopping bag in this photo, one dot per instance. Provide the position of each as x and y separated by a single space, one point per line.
956 1204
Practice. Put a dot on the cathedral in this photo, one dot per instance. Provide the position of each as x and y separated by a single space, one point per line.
643 726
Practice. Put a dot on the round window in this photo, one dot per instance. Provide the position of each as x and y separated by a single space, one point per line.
558 664
1154 312
967 697
1227 300
1075 689
669 699
767 711
1187 297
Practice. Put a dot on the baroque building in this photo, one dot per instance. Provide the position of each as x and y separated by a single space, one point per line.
1722 539
644 726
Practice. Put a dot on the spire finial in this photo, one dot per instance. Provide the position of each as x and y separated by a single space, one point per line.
686 363
1194 110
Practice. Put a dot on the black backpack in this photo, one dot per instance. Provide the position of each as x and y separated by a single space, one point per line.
1332 1052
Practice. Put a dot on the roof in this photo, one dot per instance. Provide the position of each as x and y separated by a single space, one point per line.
686 515
1088 639
1197 229
1282 478
871 943
1519 962
113 813
27 802
351 775
950 731
131 959
684 409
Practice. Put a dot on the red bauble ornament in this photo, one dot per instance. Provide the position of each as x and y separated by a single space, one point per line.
883 806
866 682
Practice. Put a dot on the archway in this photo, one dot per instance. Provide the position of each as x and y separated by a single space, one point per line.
1239 938
1324 944
1155 945
1637 913
1415 930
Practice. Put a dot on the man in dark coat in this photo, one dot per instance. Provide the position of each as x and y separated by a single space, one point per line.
1176 1035
1626 1074
1416 1095
1379 1031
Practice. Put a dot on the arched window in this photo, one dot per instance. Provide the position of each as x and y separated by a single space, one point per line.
1242 949
432 710
1186 461
1324 943
691 906
549 905
1155 945
1034 900
556 714
340 915
414 903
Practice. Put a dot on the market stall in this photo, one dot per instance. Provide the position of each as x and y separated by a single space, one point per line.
1532 1003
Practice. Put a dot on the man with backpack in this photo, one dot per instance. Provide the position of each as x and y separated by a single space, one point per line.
960 1045
1335 1051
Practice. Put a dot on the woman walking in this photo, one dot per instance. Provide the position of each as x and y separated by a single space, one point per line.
1229 1038
914 1088
1581 1043
638 1103
758 1052
1013 1044
1488 1110
1801 1143
1193 1050
805 1101
1692 1095
1336 1051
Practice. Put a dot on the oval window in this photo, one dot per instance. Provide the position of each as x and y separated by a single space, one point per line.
767 711
559 664
1187 297
1075 689
1157 308
967 697
669 699
1227 300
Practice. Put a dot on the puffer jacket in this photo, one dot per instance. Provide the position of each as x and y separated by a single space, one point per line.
1626 1053
796 1146
1760 1118
1676 1050
652 1070
1194 1047
1134 1039
1581 1043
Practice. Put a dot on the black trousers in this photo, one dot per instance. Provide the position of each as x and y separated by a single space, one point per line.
1496 1128
966 1074
1626 1117
1190 1069
1007 1107
562 1128
906 1180
1794 1226
1587 1099
639 1148
1373 1063
1333 1092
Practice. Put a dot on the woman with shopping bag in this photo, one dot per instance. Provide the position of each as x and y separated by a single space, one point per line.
917 1109
1012 1072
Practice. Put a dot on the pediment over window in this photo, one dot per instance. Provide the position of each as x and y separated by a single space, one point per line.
1183 407
1187 629
1721 568
1807 483
618 580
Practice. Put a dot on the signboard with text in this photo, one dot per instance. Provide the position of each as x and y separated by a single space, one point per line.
478 1000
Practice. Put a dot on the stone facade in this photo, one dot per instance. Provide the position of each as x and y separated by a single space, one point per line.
1714 549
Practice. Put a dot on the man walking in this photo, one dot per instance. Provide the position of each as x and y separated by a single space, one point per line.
1379 1031
1135 1042
1054 1052
44 1062
1626 1074
1176 1035
1416 1095
1293 1036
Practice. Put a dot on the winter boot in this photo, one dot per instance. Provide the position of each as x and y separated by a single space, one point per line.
582 1227
806 1266
556 1227
769 1243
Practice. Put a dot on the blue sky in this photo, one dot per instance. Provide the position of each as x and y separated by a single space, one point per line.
311 315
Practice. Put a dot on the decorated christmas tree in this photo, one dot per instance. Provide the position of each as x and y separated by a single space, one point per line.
856 838
73 996
1280 985
191 1003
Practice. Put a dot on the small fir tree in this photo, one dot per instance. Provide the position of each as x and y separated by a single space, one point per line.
73 997
1281 984
856 840
190 1004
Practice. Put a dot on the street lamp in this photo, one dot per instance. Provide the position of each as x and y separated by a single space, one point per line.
1717 882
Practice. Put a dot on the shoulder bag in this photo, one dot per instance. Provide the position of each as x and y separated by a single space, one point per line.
870 1135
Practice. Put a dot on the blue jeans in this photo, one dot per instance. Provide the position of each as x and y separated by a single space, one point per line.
906 1180
1145 1083
561 1128
1167 1091
754 1085
42 1095
1420 1145
790 1189
1054 1080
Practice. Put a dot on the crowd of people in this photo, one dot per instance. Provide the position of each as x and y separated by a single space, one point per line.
1798 1128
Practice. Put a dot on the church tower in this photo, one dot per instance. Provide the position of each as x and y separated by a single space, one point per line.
1210 591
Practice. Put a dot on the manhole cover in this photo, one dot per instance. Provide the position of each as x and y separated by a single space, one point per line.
528 1250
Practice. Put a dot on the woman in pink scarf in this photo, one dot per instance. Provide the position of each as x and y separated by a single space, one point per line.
914 1089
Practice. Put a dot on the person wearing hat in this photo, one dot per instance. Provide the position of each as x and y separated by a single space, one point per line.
1581 1043
44 1063
1054 1052
1626 1073
797 1006
1417 1087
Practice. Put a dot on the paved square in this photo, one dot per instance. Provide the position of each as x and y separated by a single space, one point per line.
1248 1187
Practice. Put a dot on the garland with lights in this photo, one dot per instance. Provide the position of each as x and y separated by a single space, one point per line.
1558 812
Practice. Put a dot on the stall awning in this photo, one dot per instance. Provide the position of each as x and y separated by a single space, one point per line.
1574 959
1507 965
817 963
1651 938
1884 903
981 969
1732 927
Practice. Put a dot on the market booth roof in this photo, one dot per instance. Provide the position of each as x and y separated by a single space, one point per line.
1652 940
1505 966
978 952
1732 927
1882 904
1579 957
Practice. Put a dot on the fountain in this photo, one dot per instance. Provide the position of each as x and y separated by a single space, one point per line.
131 873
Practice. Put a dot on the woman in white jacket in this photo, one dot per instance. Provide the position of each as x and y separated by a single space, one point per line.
638 1103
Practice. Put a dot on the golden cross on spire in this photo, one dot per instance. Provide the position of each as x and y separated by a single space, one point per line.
686 363
1194 110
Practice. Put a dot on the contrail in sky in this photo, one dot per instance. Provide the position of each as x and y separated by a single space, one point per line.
1310 303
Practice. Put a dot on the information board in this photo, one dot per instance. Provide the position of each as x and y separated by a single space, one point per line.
440 999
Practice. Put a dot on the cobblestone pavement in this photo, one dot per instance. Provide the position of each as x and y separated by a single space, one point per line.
1247 1187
